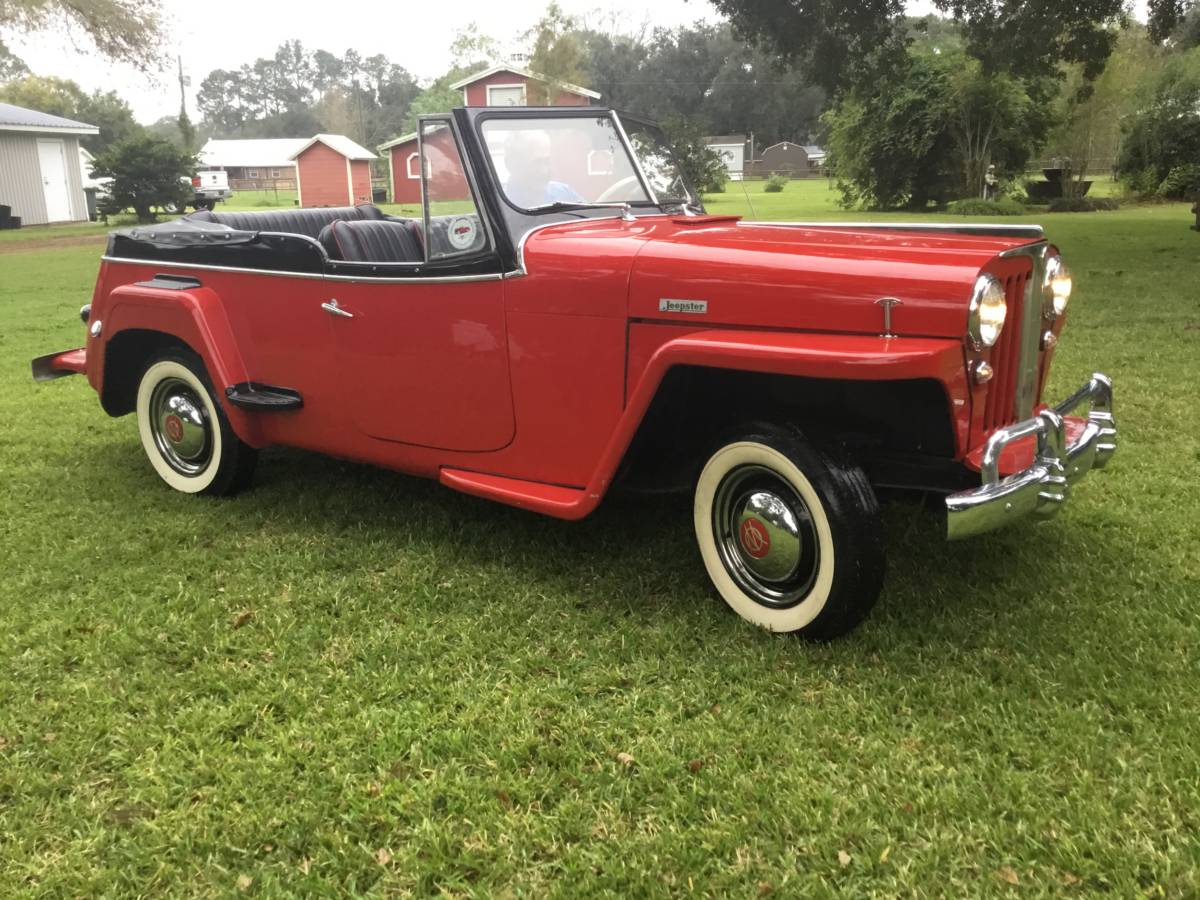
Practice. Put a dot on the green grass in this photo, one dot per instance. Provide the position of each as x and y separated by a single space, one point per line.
347 680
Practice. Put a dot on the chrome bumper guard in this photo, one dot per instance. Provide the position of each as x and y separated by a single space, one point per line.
1041 489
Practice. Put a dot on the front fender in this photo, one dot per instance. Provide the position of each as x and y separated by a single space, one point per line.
195 317
654 350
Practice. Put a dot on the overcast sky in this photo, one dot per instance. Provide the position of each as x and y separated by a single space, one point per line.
416 34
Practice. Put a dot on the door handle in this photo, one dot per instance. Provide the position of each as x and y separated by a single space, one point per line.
331 306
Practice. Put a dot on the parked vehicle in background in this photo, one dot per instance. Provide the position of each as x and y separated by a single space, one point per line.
564 316
212 187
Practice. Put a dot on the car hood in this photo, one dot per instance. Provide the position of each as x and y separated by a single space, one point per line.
812 278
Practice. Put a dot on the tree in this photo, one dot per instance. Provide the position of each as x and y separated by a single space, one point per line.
1165 16
843 42
557 55
147 173
296 92
1088 122
62 97
1161 150
931 130
11 65
127 31
702 166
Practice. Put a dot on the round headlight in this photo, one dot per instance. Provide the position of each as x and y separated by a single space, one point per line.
986 314
1057 288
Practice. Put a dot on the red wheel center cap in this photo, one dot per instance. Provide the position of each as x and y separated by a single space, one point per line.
173 426
754 538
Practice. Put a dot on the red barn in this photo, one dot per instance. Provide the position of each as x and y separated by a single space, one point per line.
332 170
404 168
509 86
502 85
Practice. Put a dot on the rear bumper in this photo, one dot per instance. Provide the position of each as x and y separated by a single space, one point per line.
1042 488
56 365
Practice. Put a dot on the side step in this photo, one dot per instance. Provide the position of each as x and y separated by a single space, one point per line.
263 397
550 499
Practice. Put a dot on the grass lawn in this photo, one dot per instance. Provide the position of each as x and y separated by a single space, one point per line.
347 680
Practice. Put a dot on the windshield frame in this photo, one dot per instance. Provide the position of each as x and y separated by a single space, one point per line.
561 112
653 128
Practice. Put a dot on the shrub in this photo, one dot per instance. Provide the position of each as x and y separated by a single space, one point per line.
1083 204
1163 136
147 173
977 206
1181 183
775 183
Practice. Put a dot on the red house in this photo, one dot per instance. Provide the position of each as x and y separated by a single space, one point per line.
509 86
332 170
404 168
502 85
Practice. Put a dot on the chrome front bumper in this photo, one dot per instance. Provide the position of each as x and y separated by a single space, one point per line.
1041 489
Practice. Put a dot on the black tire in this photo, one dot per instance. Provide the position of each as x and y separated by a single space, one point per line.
184 430
792 539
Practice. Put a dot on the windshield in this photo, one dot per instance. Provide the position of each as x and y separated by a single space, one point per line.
658 162
548 161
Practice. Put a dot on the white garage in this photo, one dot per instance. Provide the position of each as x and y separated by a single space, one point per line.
40 179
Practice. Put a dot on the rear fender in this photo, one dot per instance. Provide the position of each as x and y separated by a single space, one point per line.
195 317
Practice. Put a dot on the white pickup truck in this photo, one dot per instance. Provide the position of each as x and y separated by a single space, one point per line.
210 186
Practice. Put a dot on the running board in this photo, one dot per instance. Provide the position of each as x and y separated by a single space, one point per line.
263 397
549 499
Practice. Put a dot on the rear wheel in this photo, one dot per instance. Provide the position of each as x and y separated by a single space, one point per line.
791 539
185 432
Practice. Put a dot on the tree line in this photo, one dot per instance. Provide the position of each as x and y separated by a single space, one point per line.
913 111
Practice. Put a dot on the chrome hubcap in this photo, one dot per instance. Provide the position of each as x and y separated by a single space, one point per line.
765 536
180 425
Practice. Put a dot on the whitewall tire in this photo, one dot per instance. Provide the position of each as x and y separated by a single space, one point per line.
184 431
791 540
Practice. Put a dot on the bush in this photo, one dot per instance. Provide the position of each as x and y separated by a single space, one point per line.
976 206
1181 183
1083 204
775 183
1162 139
147 173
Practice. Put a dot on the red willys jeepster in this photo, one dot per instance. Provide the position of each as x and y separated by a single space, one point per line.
562 315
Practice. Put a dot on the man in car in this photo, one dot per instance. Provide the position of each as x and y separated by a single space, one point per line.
527 157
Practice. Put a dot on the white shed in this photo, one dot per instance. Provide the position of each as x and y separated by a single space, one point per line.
732 150
40 178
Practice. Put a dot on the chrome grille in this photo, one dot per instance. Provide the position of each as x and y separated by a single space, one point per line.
999 408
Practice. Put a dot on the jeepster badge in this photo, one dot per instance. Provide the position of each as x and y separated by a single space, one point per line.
696 307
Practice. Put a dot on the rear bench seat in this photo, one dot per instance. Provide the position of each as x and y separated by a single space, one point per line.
308 222
350 233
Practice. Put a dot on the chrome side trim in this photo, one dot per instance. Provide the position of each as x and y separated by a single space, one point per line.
975 230
1042 488
318 276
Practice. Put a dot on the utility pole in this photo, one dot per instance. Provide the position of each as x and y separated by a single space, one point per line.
186 130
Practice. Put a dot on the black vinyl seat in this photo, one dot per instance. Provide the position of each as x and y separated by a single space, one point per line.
385 241
308 222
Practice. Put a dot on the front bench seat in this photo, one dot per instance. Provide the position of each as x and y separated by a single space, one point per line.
386 241
308 222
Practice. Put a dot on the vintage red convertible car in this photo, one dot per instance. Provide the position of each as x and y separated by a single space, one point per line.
563 315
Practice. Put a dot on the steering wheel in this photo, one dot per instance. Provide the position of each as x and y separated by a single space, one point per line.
612 193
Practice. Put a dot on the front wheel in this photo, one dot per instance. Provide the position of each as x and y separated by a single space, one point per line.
792 540
185 432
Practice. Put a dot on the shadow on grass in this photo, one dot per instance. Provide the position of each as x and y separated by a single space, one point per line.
935 590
